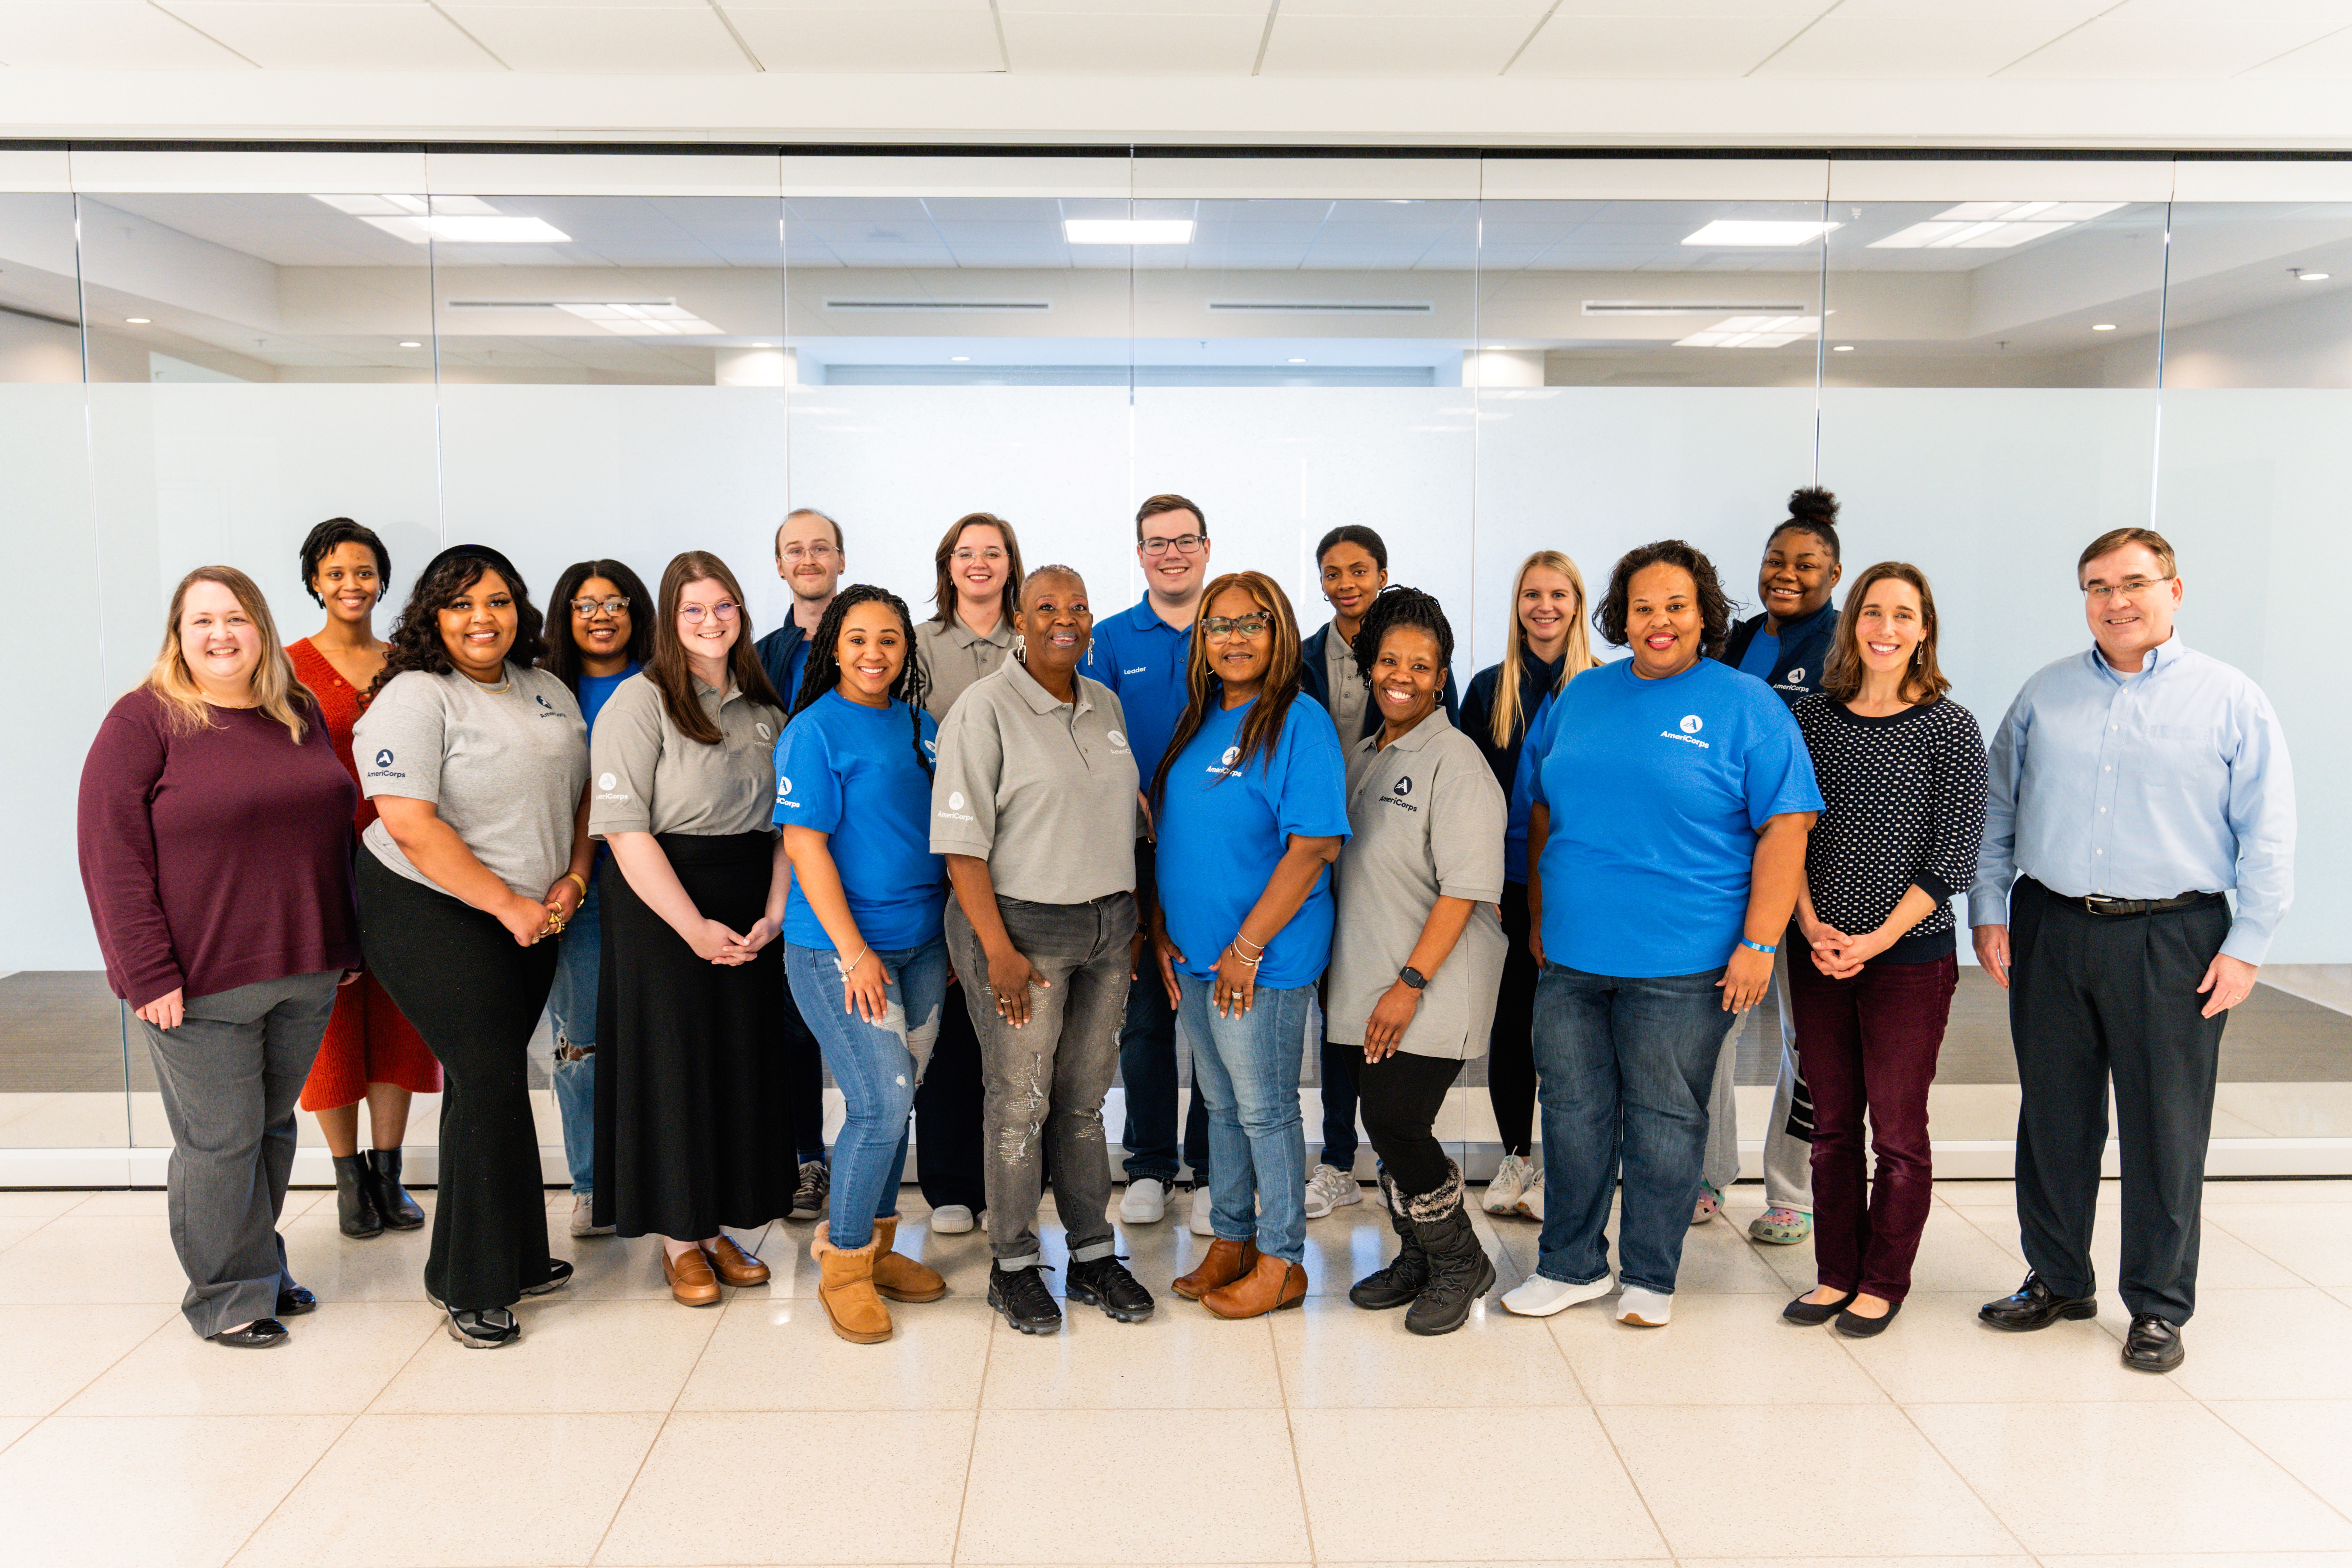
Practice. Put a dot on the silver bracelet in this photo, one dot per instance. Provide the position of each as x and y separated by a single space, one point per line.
849 968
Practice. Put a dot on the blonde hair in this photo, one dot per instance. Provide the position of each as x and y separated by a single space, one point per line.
1575 659
277 690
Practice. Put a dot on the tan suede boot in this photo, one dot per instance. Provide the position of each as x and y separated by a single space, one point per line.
895 1275
846 1289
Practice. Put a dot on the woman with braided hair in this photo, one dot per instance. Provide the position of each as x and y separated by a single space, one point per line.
865 947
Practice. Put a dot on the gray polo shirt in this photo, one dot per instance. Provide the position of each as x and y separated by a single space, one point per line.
650 778
1426 820
502 768
1345 684
954 655
1044 791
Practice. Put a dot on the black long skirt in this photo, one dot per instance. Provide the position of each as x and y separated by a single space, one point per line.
693 1088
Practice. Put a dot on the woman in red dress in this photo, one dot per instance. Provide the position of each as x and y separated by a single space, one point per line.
371 1052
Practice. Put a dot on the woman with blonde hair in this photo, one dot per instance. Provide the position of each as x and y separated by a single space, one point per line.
1547 645
215 844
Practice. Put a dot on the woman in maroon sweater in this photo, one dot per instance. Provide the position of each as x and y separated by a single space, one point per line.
216 837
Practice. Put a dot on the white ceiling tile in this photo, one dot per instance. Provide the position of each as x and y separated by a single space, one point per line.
2120 46
1256 8
1645 46
2327 57
1909 48
103 35
2058 14
1070 43
279 35
640 40
1527 11
1795 13
935 38
1388 46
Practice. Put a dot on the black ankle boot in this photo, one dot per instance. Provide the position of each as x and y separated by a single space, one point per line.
392 1200
1459 1270
355 1208
1407 1274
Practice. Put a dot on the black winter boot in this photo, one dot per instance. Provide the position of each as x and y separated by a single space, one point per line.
1459 1270
355 1208
1407 1274
392 1200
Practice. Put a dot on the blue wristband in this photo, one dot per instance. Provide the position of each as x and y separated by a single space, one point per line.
1758 946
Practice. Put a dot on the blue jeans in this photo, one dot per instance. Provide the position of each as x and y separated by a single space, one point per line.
572 1004
1147 1070
1622 1071
878 1066
1247 1069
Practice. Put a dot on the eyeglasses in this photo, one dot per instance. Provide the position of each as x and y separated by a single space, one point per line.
589 609
2129 588
966 557
1217 628
725 609
1183 544
817 552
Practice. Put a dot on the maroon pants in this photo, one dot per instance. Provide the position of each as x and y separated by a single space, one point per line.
1868 1044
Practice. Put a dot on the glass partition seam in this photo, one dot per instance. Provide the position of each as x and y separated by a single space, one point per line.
2163 298
1822 335
440 455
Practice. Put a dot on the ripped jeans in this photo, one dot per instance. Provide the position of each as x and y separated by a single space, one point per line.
1046 1081
878 1066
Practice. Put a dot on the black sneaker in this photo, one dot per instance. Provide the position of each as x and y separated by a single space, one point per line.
559 1275
808 1198
1105 1282
1021 1295
487 1330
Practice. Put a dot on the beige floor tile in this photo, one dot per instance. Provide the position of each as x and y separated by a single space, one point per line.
2314 1240
151 1491
13 1231
2217 1193
1180 1358
1954 1255
386 1267
78 1258
35 1204
1234 1492
1907 1500
149 1202
780 1353
2016 1562
1369 1501
1555 1562
2310 1438
51 1357
1983 1194
2223 1262
1717 1257
1719 1350
1337 1355
800 1487
503 1491
338 1359
2199 1560
2087 1478
14 1426
2244 1344
1938 1352
574 1356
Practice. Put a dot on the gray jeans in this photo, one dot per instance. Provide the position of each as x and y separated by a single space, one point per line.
1788 1160
1045 1083
230 1075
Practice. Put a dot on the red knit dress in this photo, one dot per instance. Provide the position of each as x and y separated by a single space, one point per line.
367 1039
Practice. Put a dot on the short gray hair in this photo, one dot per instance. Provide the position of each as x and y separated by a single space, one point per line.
829 521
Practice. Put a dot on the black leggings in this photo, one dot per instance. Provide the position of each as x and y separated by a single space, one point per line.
1511 1059
1401 1096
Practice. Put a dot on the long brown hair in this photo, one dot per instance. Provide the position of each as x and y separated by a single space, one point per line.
1202 686
673 677
276 689
945 596
1575 659
1924 682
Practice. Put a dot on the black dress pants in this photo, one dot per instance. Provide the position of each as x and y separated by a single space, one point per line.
1511 1057
2095 997
1401 1095
947 1114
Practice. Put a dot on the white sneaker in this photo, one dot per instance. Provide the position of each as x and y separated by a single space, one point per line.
584 1216
1329 1188
1146 1201
951 1219
1531 1200
1201 1205
1510 1182
1540 1298
1644 1308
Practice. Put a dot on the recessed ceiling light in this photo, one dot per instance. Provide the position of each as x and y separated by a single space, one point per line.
763 345
1728 231
2311 277
1752 333
960 359
1128 230
1297 362
138 321
1840 348
2103 327
410 344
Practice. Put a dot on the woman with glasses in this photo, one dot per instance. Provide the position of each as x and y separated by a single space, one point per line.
604 644
1251 799
691 1094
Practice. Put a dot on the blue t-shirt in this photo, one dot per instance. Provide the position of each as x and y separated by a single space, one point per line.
1532 746
1657 790
596 688
836 752
1762 658
795 666
1141 657
1222 832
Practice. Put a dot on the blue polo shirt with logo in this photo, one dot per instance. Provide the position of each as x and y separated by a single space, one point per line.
1141 657
1657 790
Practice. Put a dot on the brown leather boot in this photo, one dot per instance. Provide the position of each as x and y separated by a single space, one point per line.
1226 1262
692 1282
1268 1288
734 1265
898 1276
847 1289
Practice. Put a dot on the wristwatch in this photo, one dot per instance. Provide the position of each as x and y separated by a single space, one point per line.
1413 977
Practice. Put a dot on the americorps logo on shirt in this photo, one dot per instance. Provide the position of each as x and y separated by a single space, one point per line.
1139 669
549 708
383 768
1397 792
1224 766
1690 725
784 792
930 748
608 788
1797 676
1116 739
765 732
955 811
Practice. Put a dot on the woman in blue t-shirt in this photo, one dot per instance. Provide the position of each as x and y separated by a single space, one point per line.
1666 849
865 947
1252 803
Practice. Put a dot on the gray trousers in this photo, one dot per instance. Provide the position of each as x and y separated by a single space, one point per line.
1788 1160
1043 1084
230 1075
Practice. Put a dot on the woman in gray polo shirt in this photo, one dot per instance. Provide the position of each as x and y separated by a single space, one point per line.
1417 951
1035 805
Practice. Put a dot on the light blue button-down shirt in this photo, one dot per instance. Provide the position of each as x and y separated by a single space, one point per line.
2174 779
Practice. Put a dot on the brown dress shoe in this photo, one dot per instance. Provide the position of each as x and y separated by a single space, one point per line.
1268 1288
1226 1262
846 1289
692 1282
733 1264
895 1275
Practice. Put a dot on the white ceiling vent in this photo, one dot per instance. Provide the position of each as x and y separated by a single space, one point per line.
1321 308
1691 308
938 306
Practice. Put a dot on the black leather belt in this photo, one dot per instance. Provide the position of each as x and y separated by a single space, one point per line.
2110 909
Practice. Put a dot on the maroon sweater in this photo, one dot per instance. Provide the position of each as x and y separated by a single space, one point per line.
215 858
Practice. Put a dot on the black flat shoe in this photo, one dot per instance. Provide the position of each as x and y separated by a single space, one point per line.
2153 1344
257 1335
1813 1314
295 1301
2033 1305
1857 1328
392 1203
559 1275
355 1210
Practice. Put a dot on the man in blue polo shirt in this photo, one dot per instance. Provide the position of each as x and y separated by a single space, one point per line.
1140 653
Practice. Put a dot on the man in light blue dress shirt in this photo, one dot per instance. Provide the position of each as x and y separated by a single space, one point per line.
2131 786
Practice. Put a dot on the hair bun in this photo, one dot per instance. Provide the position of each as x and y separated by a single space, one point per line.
1813 504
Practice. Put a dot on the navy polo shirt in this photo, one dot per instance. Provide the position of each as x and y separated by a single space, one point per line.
1141 657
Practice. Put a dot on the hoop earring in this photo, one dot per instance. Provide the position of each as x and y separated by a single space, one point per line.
1021 646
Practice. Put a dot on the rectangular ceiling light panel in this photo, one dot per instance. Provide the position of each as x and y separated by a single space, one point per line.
1692 308
627 318
454 220
1993 225
1128 230
1322 307
1753 333
1725 232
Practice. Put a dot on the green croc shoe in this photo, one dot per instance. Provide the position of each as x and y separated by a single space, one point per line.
1780 1228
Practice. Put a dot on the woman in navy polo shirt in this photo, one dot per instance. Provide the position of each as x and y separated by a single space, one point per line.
1250 798
1665 851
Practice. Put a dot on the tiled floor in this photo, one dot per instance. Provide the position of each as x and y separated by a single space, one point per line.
627 1430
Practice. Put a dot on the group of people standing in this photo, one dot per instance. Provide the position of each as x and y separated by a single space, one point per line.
982 864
